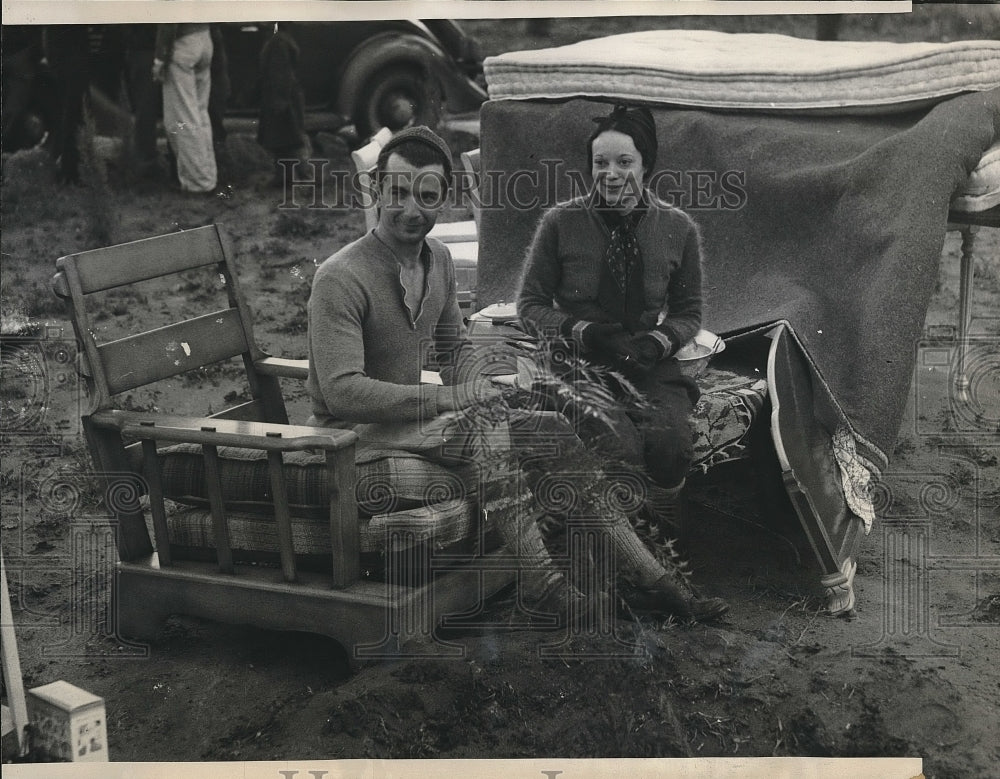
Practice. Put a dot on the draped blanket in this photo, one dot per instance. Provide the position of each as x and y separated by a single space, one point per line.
834 224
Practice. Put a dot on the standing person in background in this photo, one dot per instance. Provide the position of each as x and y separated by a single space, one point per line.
21 73
66 49
183 62
144 95
281 129
218 95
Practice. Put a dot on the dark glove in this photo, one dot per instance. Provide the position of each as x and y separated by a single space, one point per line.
609 340
647 350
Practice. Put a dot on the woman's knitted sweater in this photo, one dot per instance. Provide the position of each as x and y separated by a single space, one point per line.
563 270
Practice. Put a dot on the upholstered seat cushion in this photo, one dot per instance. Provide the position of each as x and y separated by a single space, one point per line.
403 500
982 189
440 525
393 482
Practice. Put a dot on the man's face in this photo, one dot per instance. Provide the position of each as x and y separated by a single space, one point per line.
410 200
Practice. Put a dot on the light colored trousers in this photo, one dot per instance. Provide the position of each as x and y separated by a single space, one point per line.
185 111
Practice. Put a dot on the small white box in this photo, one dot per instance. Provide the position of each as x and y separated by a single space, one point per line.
69 724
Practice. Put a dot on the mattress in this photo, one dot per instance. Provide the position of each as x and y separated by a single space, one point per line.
747 70
761 72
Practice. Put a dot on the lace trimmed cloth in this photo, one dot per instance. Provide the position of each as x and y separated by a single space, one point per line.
855 476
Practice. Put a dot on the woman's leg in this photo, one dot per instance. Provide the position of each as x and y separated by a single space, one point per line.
570 479
666 426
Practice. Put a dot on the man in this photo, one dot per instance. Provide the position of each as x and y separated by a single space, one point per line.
282 118
378 307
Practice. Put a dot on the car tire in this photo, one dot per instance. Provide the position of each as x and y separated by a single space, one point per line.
395 97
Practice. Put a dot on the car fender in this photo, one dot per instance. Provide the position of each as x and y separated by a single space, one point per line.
392 48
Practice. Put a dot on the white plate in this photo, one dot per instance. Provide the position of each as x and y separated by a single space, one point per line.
500 311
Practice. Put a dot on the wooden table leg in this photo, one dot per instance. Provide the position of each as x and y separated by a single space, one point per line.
967 276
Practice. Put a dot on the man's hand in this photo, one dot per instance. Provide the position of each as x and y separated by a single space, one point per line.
467 394
647 350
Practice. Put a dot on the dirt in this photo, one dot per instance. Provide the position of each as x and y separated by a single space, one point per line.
913 676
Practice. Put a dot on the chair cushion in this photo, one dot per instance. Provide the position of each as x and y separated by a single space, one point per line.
441 525
392 482
403 500
981 190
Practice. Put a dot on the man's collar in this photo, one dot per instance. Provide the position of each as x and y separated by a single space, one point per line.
426 256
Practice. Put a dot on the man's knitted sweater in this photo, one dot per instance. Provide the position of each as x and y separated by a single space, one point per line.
564 269
366 348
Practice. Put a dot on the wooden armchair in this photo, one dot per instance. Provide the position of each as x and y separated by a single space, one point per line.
274 589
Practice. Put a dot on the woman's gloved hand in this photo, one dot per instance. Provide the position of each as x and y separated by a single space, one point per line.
647 350
612 343
607 338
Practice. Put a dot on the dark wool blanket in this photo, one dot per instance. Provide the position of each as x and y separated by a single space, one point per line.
833 224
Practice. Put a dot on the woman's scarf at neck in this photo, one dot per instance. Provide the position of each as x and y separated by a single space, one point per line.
620 289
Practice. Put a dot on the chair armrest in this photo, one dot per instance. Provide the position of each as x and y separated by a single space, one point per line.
225 432
278 366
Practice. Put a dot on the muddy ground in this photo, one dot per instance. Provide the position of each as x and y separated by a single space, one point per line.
914 675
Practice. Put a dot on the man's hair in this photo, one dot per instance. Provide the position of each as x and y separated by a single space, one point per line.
420 147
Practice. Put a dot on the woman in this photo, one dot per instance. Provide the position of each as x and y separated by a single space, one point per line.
182 63
618 271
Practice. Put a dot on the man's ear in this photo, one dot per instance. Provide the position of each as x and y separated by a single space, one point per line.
376 191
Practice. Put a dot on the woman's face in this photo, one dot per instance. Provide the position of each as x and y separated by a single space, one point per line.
617 169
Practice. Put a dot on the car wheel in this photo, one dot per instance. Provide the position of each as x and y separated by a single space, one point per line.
396 97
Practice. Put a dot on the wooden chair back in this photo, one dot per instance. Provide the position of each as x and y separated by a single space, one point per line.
139 359
126 363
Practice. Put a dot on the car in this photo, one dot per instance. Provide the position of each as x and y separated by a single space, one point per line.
372 73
